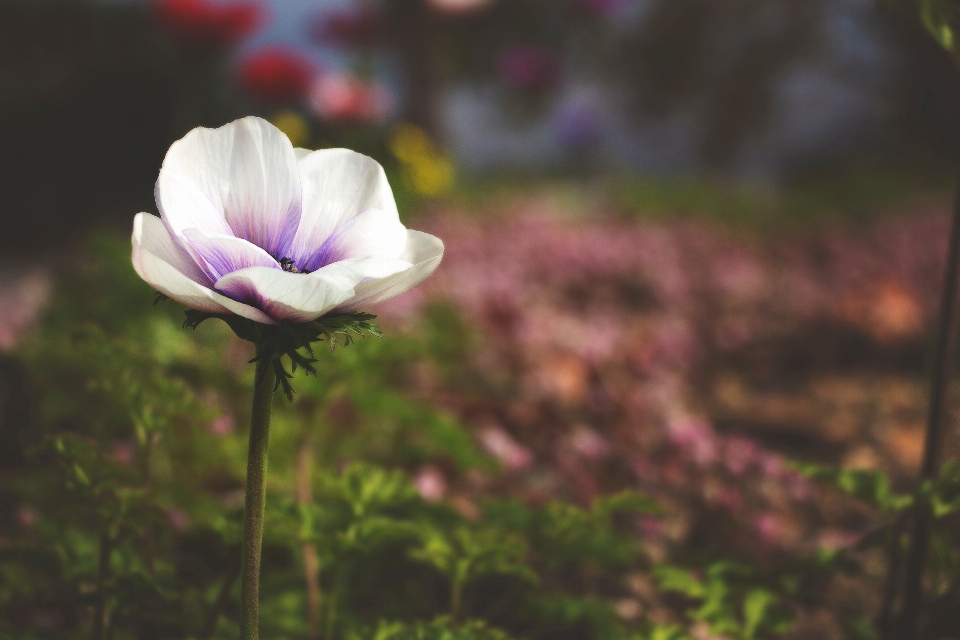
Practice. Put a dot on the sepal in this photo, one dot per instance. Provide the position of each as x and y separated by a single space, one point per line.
275 341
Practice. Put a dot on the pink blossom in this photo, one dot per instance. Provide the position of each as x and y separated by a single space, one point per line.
431 483
739 454
499 443
23 297
178 519
339 98
27 516
696 437
223 425
590 444
123 453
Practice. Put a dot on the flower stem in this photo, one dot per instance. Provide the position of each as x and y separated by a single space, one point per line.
909 619
253 507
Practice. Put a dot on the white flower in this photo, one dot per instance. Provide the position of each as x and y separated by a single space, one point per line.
251 226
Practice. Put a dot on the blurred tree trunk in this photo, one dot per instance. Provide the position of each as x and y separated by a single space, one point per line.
414 28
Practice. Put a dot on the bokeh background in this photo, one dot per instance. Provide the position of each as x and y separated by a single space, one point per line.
688 242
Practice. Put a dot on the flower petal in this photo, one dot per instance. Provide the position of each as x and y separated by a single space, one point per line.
218 254
301 297
247 170
337 185
423 252
164 266
373 232
301 153
183 205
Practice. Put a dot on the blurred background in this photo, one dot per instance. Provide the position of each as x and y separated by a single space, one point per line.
688 242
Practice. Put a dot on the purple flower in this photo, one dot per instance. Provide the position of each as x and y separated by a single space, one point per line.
251 226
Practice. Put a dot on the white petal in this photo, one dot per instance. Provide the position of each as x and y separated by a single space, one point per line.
183 205
301 153
337 185
163 265
246 170
423 252
219 254
300 297
370 233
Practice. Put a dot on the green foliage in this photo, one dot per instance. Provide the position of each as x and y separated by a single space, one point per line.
941 18
730 600
869 486
442 628
126 503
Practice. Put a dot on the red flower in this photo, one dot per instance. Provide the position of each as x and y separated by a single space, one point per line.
200 24
277 76
362 27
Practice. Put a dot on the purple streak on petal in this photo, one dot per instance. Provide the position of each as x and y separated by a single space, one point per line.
242 290
330 251
219 254
371 232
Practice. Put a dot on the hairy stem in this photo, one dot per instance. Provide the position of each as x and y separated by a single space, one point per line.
946 340
253 507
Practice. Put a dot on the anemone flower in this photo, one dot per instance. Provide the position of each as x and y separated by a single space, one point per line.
286 246
253 227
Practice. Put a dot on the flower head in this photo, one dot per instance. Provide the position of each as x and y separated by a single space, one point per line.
250 226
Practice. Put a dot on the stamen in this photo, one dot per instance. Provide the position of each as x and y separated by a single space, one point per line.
287 265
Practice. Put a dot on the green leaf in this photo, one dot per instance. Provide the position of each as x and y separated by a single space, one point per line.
755 606
679 580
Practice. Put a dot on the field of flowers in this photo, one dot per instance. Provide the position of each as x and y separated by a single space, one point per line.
584 425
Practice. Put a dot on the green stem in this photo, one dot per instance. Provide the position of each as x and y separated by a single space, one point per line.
103 566
456 597
253 507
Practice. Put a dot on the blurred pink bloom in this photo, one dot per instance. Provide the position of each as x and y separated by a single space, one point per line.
651 526
224 425
431 483
768 526
362 27
696 437
528 67
123 453
502 446
730 498
208 26
458 7
178 519
832 539
22 298
338 98
27 516
798 487
739 454
590 444
276 75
